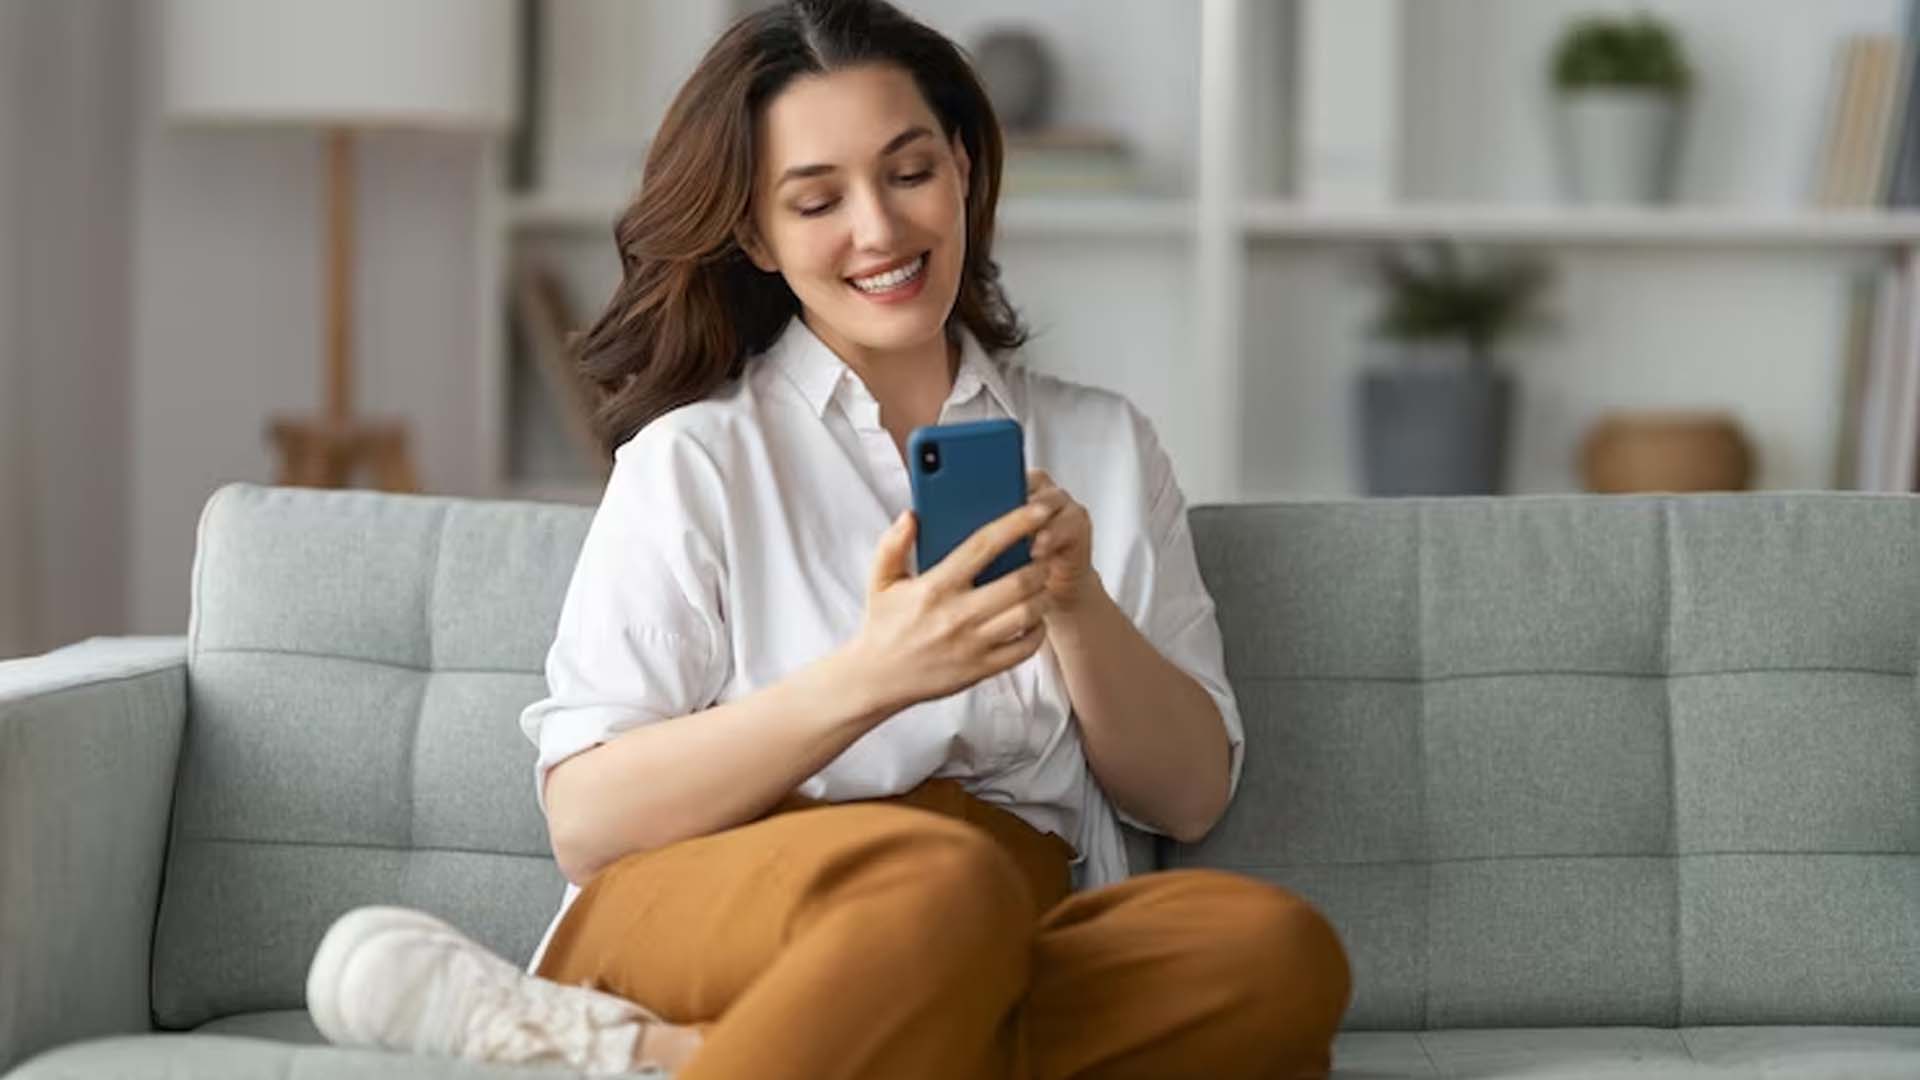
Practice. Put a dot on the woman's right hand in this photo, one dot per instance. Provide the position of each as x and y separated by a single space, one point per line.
931 635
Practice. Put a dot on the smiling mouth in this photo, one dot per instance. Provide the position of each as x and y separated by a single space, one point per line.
889 280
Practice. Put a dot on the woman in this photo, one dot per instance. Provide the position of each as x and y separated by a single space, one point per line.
821 816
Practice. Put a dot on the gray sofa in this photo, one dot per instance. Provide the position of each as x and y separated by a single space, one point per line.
1592 786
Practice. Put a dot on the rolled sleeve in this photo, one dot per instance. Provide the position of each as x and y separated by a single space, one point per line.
641 636
1179 613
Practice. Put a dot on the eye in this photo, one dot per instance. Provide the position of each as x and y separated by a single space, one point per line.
915 178
816 211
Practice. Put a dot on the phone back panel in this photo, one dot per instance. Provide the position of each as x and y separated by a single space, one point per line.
981 475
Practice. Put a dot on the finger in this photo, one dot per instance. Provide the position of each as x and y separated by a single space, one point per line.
1057 502
891 556
1060 533
1052 497
1002 657
1002 593
1037 480
1015 621
964 563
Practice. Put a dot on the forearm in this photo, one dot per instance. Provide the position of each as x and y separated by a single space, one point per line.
1152 735
703 772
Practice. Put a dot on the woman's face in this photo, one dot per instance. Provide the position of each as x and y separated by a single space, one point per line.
861 205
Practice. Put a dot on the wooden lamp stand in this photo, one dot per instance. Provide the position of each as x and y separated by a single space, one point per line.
330 450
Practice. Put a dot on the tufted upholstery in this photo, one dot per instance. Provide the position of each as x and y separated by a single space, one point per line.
1585 761
357 667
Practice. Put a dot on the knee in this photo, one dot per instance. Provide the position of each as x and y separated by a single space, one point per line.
950 880
1277 954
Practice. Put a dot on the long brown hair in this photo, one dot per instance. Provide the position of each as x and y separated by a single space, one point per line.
691 308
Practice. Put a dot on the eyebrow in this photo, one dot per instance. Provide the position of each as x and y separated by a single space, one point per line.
802 172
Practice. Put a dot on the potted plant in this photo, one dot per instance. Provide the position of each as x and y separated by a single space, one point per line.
1434 418
1621 84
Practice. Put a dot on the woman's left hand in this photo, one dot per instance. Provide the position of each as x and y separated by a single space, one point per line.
1064 544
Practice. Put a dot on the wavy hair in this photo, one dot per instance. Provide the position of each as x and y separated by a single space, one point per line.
691 308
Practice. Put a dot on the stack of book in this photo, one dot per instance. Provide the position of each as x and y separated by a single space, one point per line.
1880 402
546 327
1068 161
1870 146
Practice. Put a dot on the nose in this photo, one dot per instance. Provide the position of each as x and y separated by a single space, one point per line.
874 224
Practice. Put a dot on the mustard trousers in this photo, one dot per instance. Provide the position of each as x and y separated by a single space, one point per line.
933 935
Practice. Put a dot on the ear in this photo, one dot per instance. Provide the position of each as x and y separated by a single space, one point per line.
749 240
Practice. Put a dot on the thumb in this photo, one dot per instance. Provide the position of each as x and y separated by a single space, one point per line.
891 557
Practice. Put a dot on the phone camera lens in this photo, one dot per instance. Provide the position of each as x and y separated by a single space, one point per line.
930 457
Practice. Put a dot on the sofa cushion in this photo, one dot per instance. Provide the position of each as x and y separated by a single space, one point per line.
1639 1053
1563 761
357 666
230 1057
284 1043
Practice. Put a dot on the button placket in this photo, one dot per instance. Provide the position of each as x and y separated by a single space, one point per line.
1008 719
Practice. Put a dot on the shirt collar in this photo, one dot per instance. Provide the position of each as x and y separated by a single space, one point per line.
818 373
806 361
977 371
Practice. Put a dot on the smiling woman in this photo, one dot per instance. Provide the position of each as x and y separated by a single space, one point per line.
774 757
772 189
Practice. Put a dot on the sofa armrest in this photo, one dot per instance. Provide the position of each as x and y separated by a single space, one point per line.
89 740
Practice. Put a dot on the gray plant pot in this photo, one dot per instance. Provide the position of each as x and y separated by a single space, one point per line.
1433 430
1617 146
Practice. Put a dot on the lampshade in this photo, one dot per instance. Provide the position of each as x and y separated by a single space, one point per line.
434 64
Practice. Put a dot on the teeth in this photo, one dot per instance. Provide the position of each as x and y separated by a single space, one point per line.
892 279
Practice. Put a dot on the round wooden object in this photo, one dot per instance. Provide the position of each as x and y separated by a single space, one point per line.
1666 451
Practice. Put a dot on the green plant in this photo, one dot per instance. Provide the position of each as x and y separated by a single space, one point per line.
1436 291
1637 51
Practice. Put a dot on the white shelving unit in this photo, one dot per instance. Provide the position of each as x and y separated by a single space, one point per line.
1680 226
1226 311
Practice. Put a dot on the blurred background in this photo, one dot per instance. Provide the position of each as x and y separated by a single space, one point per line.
1334 248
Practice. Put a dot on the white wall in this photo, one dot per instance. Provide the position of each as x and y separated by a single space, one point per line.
227 315
64 197
1757 331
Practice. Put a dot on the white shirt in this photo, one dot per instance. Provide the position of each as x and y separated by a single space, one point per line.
732 547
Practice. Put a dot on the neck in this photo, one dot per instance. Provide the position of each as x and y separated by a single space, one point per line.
911 383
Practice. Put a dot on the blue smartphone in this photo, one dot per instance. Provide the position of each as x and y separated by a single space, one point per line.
964 476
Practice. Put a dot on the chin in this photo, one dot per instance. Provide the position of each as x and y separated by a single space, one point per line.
889 330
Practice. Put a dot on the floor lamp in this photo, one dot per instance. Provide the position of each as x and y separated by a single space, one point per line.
341 66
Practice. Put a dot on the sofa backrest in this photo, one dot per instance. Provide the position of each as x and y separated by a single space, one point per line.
357 665
1543 761
1584 761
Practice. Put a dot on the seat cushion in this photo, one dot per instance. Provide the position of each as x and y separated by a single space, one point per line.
282 1043
285 1043
1856 1053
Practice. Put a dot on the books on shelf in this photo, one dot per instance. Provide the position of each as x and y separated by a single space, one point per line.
1880 418
1867 150
544 317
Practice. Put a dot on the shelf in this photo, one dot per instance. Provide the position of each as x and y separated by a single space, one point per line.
1091 216
1683 225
